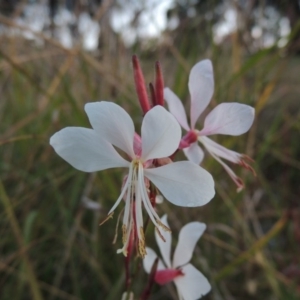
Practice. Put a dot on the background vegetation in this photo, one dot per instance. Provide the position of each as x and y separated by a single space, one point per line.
51 246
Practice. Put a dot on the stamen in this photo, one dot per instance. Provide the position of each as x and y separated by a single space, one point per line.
144 195
126 238
146 199
123 190
124 234
151 212
107 218
164 227
159 234
142 247
237 180
117 227
129 198
138 207
243 164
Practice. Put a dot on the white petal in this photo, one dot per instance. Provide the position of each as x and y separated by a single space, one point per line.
219 150
112 123
149 259
194 153
161 134
228 118
176 108
183 183
85 150
201 86
193 285
165 247
188 237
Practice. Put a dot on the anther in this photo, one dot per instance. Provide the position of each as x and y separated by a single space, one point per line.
142 248
163 226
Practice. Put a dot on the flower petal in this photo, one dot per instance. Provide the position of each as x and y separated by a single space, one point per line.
192 285
201 86
228 118
194 153
163 277
149 259
85 150
112 123
176 108
183 183
188 237
161 134
165 247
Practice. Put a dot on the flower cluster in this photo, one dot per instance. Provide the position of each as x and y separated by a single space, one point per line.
226 118
148 156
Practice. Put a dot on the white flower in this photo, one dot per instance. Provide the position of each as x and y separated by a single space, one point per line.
191 283
90 150
226 118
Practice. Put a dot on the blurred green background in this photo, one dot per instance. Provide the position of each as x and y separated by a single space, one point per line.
52 63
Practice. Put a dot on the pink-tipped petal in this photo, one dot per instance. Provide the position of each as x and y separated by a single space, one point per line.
228 118
193 285
183 183
165 276
112 123
188 237
194 153
176 108
149 259
165 246
201 86
161 134
85 150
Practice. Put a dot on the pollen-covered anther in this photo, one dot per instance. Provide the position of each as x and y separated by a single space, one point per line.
142 247
163 226
124 234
